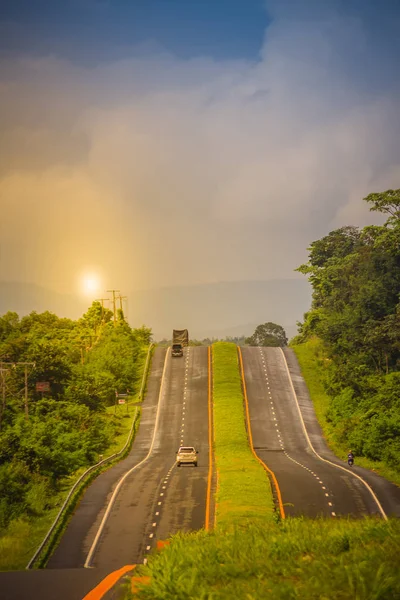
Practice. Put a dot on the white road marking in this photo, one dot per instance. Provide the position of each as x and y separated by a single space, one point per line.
151 535
316 453
120 482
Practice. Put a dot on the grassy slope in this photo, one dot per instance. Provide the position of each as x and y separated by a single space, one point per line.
20 539
255 557
312 364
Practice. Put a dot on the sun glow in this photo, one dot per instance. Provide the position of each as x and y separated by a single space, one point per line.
90 284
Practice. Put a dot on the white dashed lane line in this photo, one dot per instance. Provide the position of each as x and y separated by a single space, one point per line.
166 477
281 441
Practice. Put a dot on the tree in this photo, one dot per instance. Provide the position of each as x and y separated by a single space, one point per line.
355 313
268 334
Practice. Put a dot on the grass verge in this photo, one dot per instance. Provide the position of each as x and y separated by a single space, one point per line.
295 559
313 368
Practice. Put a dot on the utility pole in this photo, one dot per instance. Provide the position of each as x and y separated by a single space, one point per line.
120 302
16 364
102 300
114 307
3 373
26 365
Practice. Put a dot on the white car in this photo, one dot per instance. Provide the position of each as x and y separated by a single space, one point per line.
186 455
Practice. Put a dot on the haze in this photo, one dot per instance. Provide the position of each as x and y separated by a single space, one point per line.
187 143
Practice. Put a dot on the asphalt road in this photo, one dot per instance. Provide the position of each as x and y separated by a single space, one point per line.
159 499
309 486
155 501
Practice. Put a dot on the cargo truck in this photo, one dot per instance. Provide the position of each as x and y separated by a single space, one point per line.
180 338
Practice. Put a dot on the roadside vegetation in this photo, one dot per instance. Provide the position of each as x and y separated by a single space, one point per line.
349 343
48 441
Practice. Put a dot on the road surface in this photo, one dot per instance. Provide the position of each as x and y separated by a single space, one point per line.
309 486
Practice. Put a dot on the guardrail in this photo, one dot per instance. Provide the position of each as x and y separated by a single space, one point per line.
64 508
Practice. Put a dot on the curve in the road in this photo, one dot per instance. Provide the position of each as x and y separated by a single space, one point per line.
309 486
267 469
370 490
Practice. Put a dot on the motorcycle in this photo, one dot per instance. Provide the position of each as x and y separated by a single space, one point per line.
350 462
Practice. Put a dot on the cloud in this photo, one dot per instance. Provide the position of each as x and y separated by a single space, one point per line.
168 171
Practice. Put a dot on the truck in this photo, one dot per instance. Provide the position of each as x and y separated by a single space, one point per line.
180 338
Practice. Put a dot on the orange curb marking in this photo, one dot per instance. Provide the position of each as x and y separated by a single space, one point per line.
107 583
162 543
210 445
274 479
145 579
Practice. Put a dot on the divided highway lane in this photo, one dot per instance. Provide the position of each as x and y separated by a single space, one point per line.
309 486
158 499
387 493
78 538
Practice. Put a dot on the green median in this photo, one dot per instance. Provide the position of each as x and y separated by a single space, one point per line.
243 489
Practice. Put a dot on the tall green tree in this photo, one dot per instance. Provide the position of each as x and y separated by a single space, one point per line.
268 334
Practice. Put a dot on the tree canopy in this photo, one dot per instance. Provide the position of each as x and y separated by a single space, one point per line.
355 276
84 362
268 334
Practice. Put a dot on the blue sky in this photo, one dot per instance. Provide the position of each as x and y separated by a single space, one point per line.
251 128
90 30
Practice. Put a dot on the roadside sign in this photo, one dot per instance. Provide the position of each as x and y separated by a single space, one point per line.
43 386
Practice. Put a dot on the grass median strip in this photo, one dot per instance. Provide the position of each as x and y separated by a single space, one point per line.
244 491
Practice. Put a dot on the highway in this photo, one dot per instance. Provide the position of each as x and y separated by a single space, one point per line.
309 485
158 499
155 500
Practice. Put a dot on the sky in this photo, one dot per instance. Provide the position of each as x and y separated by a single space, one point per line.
182 142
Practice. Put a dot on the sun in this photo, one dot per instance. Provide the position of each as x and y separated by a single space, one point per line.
90 284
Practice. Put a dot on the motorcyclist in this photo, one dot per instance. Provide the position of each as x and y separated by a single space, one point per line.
350 458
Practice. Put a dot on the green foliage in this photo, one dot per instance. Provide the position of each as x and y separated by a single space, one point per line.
355 313
85 362
268 334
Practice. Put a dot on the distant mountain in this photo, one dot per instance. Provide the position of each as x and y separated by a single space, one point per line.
208 310
219 309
